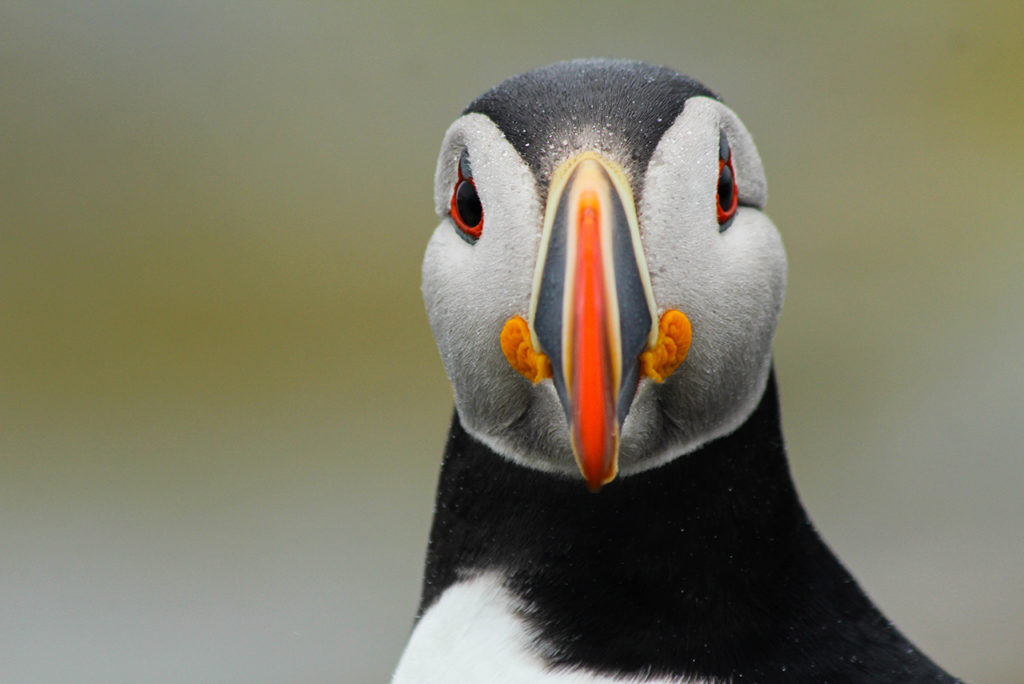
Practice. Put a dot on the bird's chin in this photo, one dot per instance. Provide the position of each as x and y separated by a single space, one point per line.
535 436
652 436
538 435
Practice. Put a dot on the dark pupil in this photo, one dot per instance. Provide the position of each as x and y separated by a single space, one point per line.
725 187
468 204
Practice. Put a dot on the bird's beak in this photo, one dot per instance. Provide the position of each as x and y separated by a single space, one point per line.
592 311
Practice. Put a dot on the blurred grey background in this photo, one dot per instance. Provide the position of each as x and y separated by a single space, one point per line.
222 410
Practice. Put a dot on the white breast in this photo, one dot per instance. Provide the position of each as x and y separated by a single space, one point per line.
473 635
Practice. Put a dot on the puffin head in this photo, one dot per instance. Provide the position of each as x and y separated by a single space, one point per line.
603 285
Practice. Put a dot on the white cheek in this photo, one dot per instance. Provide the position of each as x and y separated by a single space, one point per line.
471 290
467 306
729 284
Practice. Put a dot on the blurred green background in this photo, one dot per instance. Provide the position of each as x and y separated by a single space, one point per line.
222 409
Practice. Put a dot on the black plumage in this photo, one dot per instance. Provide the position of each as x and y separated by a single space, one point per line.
621 106
707 566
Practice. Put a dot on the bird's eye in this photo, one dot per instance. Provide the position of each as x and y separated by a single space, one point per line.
726 197
466 210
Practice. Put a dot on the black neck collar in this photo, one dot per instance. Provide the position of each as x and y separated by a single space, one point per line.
706 566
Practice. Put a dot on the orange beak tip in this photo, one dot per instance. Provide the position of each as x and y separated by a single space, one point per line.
598 469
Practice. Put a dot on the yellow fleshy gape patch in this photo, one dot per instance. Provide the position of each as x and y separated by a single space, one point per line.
515 343
674 336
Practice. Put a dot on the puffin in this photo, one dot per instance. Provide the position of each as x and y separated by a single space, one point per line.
615 502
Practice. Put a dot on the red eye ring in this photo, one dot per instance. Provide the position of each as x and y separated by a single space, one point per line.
726 195
726 179
465 209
